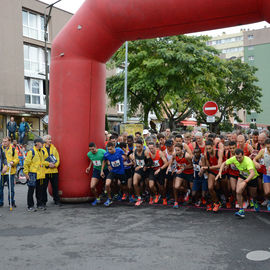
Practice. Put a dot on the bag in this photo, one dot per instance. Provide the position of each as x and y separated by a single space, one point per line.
32 180
51 159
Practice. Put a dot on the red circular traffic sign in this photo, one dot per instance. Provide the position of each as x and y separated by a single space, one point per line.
210 108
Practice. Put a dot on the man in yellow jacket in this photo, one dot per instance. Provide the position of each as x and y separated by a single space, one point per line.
51 171
12 160
34 170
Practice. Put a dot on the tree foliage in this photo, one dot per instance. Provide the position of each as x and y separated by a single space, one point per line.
174 76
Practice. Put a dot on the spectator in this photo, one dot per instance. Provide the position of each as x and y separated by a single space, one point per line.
12 128
3 167
23 131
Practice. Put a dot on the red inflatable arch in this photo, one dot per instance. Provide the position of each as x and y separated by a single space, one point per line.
91 37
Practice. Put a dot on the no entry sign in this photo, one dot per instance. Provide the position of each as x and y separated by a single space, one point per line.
210 108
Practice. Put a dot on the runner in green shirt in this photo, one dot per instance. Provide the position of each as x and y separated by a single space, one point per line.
248 178
96 158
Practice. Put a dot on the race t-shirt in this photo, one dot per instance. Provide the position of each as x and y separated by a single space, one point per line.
116 161
97 158
244 167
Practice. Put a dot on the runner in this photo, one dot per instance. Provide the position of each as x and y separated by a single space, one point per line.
140 159
242 144
161 140
214 160
96 157
170 172
247 178
263 160
157 174
254 141
130 144
188 141
232 172
199 143
184 171
178 139
116 157
200 180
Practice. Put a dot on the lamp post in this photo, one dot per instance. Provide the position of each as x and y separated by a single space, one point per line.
125 90
46 22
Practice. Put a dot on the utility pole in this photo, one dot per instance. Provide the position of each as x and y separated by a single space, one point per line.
125 90
46 23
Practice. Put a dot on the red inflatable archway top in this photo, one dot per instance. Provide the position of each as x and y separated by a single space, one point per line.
91 37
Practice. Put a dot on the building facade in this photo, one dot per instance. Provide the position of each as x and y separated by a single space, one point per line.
257 53
22 66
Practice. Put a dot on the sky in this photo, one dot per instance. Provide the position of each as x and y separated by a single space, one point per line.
73 5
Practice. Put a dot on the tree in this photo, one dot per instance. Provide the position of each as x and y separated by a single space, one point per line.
167 76
238 91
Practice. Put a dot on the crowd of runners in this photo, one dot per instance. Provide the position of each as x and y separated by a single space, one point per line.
232 170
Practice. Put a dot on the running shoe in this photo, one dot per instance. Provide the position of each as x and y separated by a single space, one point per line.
131 199
186 199
209 207
216 207
41 208
240 213
268 206
203 201
175 206
157 198
95 202
251 203
198 203
165 202
245 204
124 197
139 202
265 203
237 204
151 200
256 207
108 202
31 209
228 205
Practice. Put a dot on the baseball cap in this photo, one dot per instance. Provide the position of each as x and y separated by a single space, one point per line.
145 131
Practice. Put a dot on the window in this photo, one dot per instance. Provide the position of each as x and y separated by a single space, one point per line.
34 95
33 25
34 59
250 48
120 108
250 37
231 50
251 58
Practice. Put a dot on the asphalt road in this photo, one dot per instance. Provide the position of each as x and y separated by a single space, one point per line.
124 237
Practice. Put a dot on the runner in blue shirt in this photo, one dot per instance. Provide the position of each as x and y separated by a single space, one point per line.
115 157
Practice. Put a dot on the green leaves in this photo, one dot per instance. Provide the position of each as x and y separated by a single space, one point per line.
174 76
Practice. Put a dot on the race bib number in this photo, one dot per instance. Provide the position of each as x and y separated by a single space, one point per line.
156 164
116 163
97 163
261 161
197 167
233 167
245 174
140 163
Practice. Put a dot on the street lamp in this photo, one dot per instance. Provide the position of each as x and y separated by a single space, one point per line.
46 22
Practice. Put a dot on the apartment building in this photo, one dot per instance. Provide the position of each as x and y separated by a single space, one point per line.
22 66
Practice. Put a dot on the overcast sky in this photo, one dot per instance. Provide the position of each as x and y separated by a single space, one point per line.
74 5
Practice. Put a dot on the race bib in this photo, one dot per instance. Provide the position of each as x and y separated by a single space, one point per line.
116 163
197 167
156 163
140 162
245 174
97 163
233 167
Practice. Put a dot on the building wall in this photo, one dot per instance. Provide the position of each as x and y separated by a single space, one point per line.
261 56
11 54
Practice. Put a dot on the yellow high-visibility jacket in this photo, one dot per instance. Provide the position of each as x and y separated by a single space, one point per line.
53 151
36 164
11 155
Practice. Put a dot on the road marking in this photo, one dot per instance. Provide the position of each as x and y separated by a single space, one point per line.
132 226
258 255
266 221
